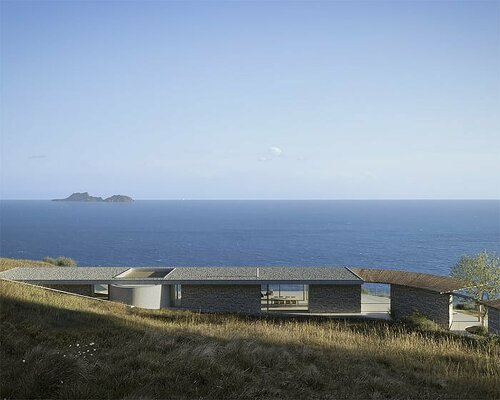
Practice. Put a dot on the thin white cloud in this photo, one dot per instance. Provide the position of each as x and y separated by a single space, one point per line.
275 151
37 156
271 153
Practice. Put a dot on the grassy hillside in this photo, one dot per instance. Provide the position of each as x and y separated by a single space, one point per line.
61 346
8 263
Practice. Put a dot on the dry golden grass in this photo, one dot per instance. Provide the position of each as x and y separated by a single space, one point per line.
8 263
48 341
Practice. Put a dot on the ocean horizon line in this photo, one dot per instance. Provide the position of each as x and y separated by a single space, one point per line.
283 199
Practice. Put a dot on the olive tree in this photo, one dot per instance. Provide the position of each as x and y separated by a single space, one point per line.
481 273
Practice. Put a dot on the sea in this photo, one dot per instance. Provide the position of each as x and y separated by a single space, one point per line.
413 235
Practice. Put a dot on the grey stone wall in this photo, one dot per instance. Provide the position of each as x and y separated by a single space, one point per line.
407 300
335 298
221 298
493 320
85 290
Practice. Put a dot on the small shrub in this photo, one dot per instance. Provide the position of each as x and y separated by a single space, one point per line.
419 321
60 261
477 330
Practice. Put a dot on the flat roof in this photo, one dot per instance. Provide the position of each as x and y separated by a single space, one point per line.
232 275
264 274
42 274
180 275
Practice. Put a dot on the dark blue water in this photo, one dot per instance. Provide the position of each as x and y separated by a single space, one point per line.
427 236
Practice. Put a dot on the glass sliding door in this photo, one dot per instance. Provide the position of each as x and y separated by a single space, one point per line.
284 298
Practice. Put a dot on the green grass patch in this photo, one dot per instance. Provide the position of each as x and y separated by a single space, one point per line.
421 322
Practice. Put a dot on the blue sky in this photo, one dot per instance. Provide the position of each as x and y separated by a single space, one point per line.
250 100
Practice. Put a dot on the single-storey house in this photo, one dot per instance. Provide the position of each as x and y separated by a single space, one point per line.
251 290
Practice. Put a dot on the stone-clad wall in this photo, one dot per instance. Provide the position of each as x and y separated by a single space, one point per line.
335 298
493 320
407 300
221 298
85 290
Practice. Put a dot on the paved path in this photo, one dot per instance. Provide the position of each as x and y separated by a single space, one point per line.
462 321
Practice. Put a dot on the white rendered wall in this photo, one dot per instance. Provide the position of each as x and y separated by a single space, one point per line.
143 296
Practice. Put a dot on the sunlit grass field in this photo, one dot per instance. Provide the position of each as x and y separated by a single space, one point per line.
60 346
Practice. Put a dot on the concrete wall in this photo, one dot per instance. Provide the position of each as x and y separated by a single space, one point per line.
407 300
335 298
85 290
221 298
493 320
143 296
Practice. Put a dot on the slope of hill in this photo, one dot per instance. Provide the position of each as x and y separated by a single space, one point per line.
60 346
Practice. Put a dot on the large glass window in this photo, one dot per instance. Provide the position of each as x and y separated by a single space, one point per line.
284 298
101 291
375 299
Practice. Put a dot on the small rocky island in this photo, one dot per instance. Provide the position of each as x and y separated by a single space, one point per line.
85 197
